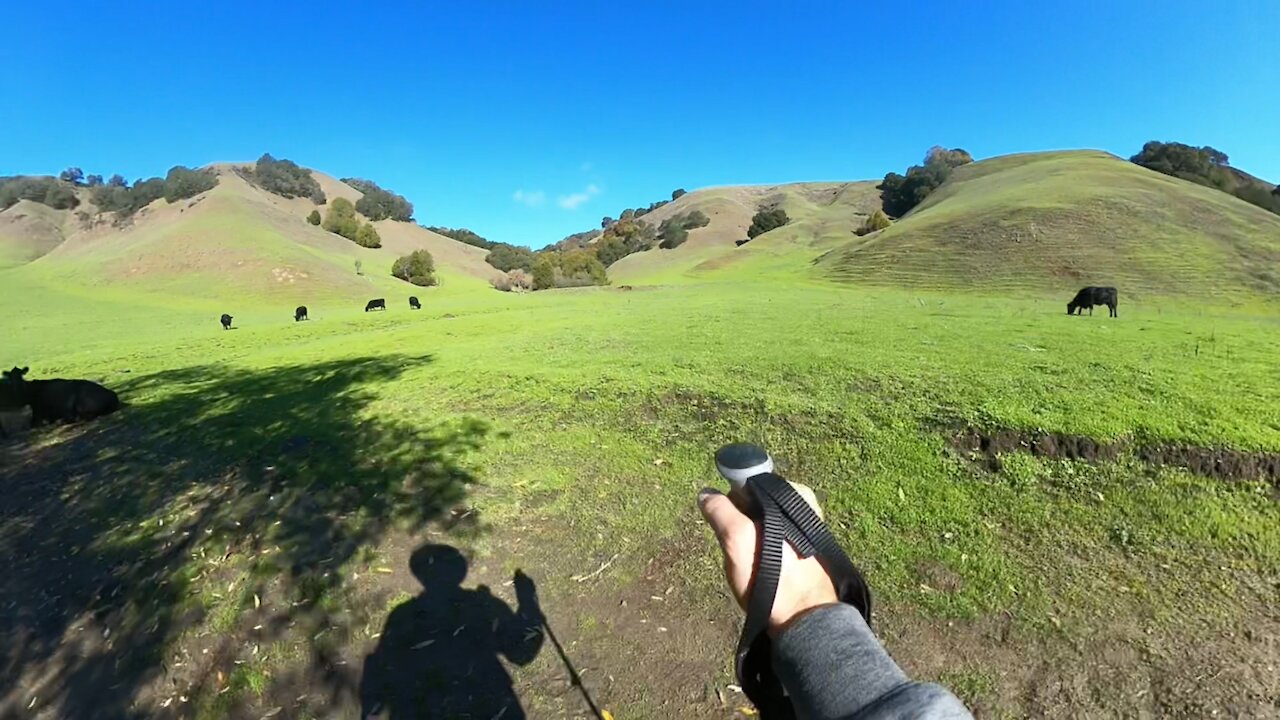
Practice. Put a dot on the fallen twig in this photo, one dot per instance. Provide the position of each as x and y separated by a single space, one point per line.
584 578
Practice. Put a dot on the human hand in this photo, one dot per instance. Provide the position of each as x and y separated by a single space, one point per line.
803 585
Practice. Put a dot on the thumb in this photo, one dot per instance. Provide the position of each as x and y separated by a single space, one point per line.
725 519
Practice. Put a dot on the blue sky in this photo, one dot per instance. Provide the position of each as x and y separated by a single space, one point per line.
527 121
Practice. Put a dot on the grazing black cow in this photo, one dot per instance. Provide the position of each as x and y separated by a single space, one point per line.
226 321
376 304
1090 296
53 400
300 314
413 303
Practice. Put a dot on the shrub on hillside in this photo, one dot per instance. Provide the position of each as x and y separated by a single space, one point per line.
675 229
183 182
285 178
510 257
341 219
418 267
900 193
74 175
766 220
463 235
517 280
367 236
575 268
44 190
378 203
314 217
677 194
875 222
94 181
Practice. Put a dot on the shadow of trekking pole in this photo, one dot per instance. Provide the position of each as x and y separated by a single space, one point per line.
574 678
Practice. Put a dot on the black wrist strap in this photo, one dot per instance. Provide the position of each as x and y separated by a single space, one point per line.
786 516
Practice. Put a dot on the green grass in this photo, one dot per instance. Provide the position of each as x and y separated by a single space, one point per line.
591 414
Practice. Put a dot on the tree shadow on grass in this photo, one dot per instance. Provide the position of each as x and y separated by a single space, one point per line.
219 498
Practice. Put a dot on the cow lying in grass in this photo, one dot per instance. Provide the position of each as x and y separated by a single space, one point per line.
54 400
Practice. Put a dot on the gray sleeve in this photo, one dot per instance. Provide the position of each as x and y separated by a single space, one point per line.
834 668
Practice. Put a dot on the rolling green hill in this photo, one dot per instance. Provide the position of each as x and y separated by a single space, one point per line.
1055 221
234 241
822 214
1032 223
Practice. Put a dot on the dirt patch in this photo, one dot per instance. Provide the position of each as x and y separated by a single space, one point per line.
1218 463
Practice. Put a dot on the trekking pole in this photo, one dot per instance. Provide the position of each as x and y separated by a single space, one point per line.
783 516
574 677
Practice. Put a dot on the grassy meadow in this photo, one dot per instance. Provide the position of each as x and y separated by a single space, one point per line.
575 427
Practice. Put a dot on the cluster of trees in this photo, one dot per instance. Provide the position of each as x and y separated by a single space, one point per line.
179 183
284 178
44 190
380 204
114 195
576 268
622 239
900 193
1207 166
464 235
510 257
675 230
341 220
765 220
878 220
418 267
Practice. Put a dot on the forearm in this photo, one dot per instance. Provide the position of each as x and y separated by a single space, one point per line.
834 668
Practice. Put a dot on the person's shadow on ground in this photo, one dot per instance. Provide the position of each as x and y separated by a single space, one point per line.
438 654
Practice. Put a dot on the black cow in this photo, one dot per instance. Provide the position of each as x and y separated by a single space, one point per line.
376 304
1090 296
413 303
226 321
53 400
300 314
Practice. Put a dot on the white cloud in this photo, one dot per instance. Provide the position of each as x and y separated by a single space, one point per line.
573 200
532 198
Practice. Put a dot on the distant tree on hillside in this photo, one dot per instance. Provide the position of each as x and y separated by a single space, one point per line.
622 239
877 220
675 230
1205 166
183 182
463 235
314 217
677 194
44 190
117 180
341 219
418 267
359 266
605 222
367 236
93 181
900 193
510 257
378 203
766 220
544 272
73 175
285 178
